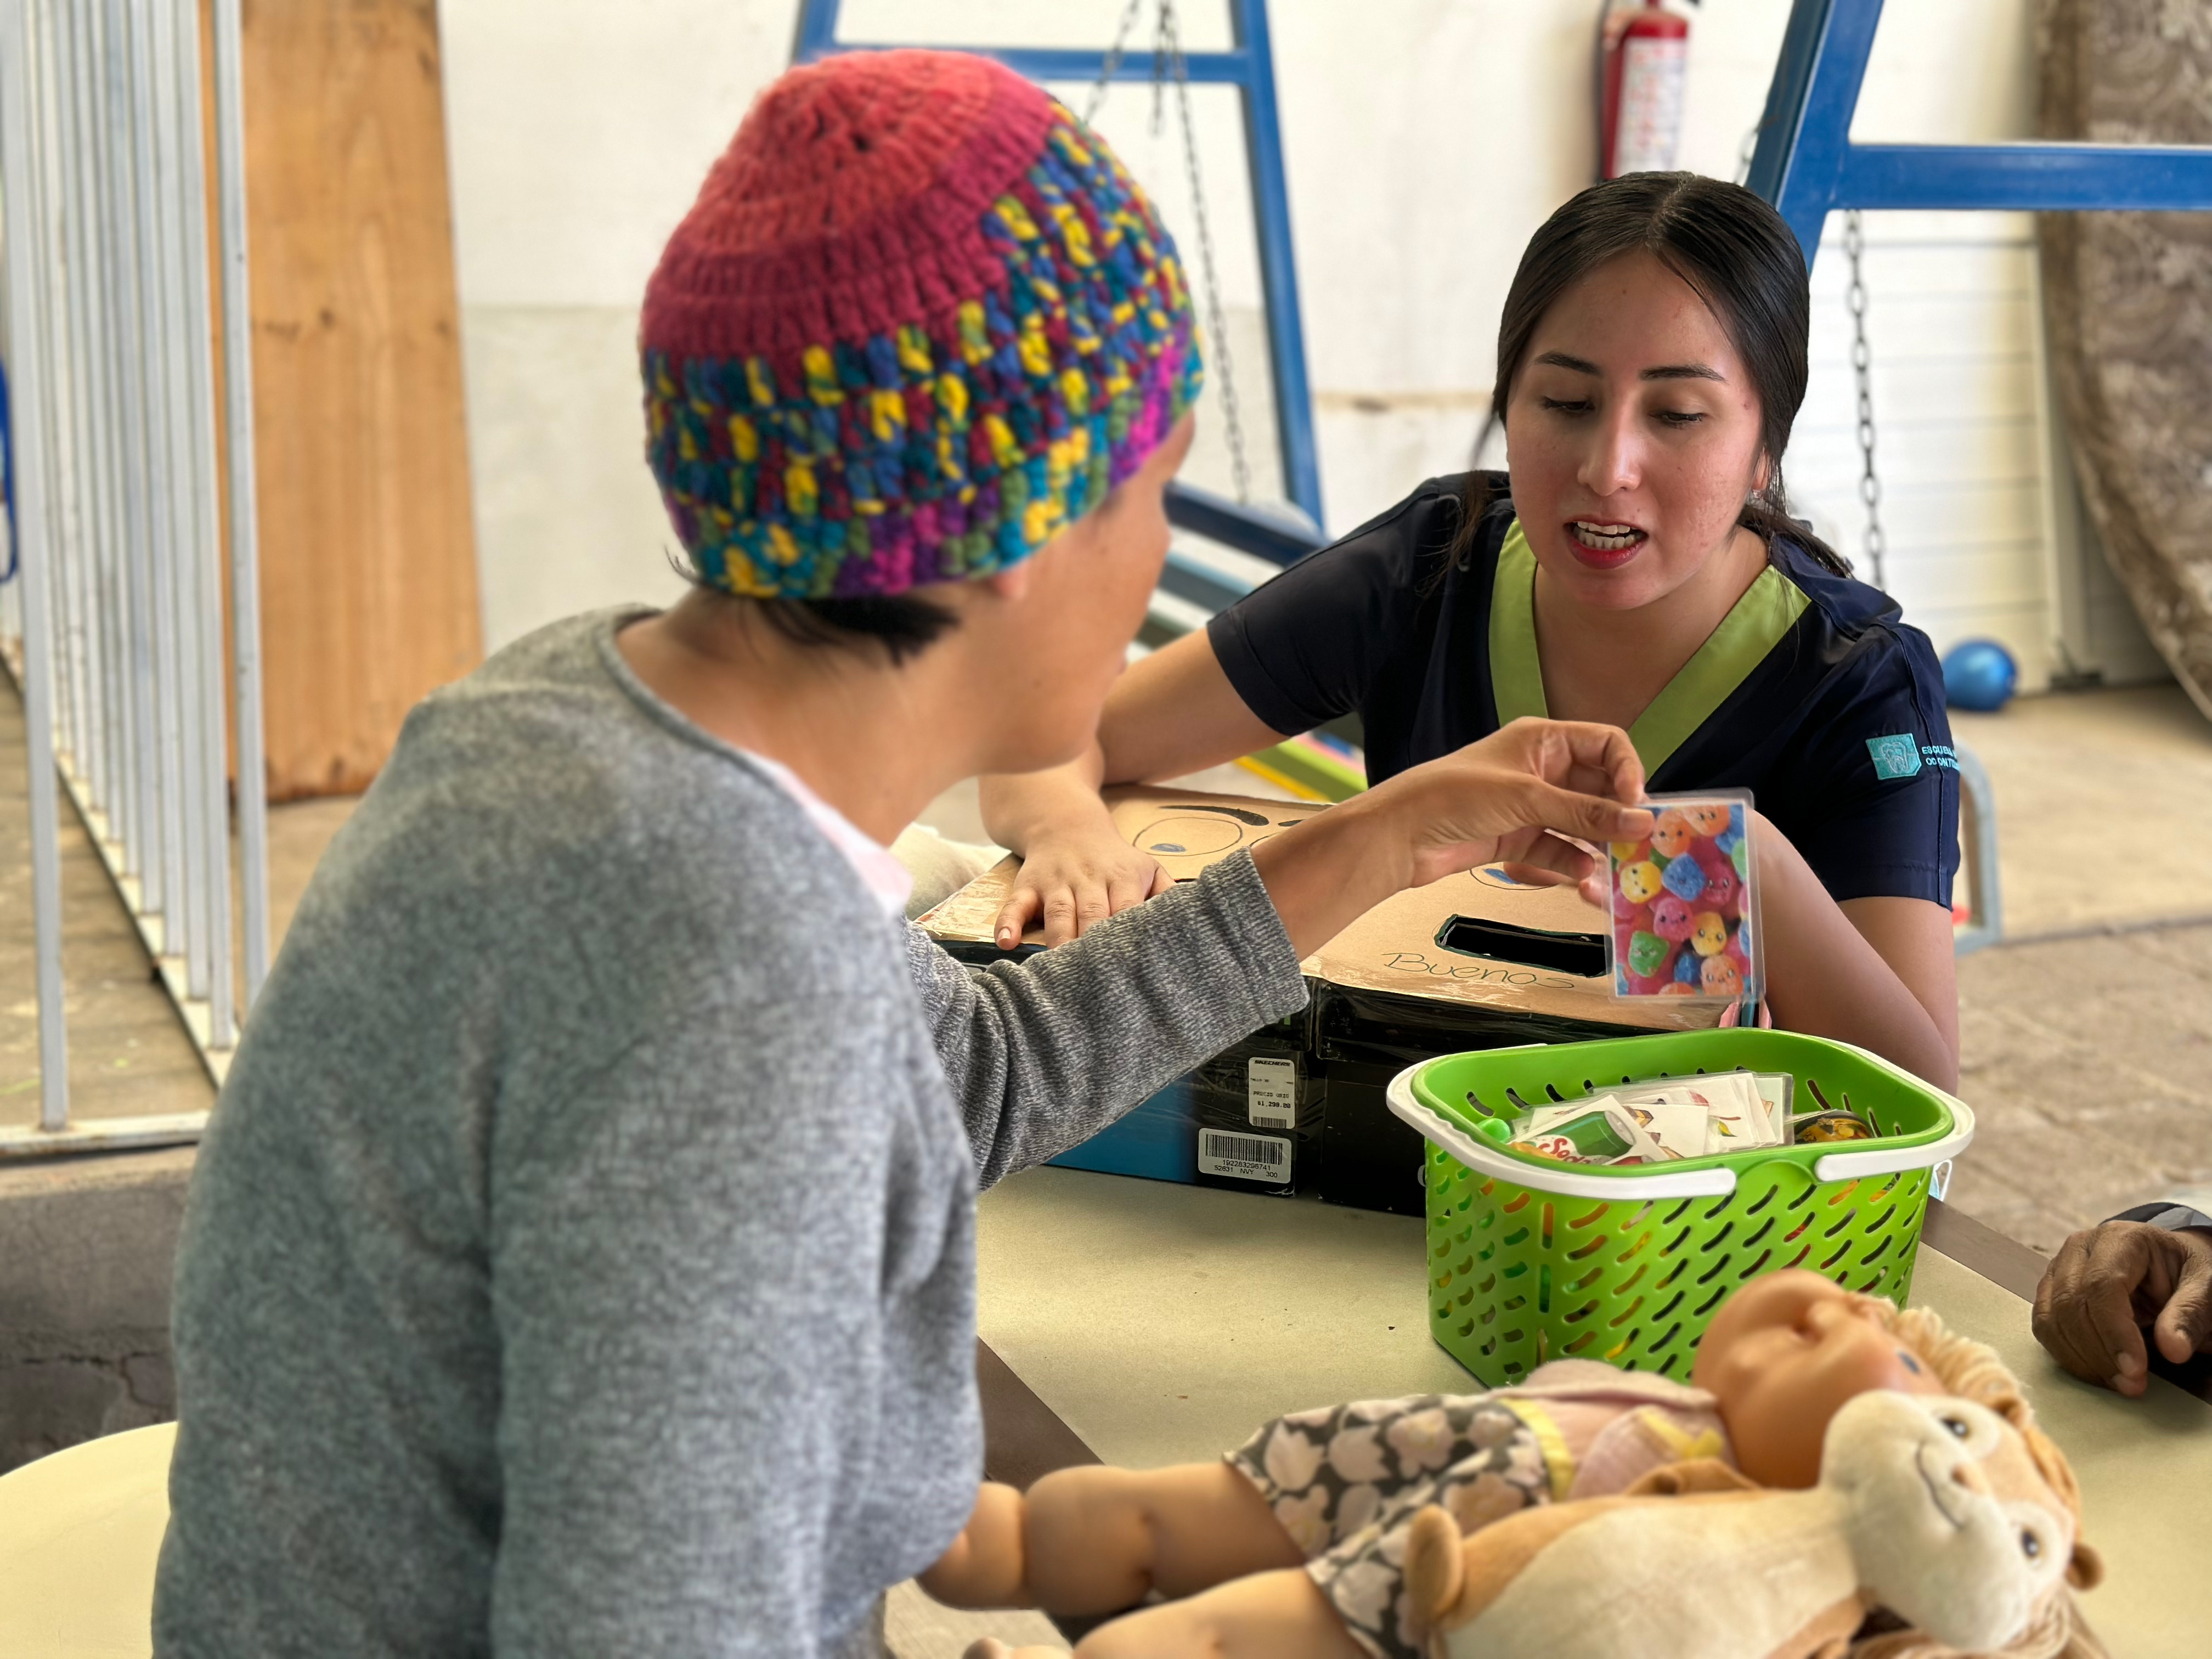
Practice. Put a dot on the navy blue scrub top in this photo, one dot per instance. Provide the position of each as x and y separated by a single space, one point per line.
1812 693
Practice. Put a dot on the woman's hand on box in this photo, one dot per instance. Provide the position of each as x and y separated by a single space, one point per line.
1078 876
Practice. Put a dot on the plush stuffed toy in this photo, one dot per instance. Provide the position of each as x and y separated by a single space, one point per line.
1297 1544
1930 1507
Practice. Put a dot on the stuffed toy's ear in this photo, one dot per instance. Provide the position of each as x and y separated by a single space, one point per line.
1698 1475
1434 1565
2087 1570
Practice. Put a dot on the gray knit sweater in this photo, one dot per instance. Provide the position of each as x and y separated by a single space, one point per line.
582 1259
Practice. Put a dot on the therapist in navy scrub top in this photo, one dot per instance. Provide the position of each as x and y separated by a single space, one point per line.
1638 566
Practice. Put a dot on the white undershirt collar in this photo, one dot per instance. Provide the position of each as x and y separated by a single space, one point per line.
879 873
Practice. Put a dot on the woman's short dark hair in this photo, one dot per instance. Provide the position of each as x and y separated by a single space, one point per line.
900 625
1735 252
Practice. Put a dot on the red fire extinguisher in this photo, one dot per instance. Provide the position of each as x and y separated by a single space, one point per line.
1644 52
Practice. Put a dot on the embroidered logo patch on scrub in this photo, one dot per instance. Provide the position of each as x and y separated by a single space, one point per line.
1895 757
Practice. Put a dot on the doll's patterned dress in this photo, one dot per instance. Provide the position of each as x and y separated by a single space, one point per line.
1345 1482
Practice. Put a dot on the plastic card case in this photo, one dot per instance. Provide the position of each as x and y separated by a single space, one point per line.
1684 900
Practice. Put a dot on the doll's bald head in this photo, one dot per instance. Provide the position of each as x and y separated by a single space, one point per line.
1782 1355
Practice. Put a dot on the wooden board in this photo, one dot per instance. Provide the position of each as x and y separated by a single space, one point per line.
2128 298
368 572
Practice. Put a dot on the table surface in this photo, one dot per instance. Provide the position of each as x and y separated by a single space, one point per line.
1143 1323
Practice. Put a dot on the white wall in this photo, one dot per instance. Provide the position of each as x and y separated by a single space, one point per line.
1425 140
578 132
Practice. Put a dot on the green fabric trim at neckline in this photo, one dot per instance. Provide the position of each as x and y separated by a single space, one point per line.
1516 680
1754 625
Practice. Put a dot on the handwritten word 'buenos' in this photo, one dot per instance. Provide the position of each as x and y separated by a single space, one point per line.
1476 973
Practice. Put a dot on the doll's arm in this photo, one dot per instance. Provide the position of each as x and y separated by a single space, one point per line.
984 1567
1698 1475
1094 1539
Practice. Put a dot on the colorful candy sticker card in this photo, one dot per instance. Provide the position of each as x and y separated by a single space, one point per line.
1682 903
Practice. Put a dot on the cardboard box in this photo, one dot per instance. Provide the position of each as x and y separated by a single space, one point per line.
1474 961
1248 1119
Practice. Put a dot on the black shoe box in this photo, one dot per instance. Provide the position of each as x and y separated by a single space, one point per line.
1369 1157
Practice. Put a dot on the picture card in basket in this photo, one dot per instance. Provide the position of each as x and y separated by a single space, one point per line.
1683 903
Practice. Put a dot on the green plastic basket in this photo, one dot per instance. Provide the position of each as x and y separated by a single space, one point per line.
1530 1259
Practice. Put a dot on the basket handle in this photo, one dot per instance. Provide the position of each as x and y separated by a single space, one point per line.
1476 1154
1852 1166
1887 1160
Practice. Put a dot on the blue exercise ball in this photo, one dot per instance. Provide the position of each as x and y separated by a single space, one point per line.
1979 675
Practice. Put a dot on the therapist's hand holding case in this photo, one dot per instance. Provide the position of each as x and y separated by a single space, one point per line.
1521 797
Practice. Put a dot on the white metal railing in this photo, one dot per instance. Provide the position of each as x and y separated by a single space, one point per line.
119 523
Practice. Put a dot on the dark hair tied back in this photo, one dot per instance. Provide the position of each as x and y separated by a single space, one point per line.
1740 259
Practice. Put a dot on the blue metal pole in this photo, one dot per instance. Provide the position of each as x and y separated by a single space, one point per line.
818 30
2171 178
1808 125
1279 269
1249 66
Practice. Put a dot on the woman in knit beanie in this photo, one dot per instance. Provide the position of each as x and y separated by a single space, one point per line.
581 1259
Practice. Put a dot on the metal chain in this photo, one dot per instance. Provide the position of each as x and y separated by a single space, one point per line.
1216 319
1112 66
1168 61
1854 296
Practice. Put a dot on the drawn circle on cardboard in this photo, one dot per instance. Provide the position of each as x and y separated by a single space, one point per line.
1184 843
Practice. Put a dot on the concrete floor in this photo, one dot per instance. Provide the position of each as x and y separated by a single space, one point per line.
2103 798
2088 1036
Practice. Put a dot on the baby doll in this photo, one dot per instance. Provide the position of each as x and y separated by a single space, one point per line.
1930 1507
1295 1544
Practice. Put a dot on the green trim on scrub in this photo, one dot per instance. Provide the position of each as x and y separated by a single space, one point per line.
1754 625
1516 680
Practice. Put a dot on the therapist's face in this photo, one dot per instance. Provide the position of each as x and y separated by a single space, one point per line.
1633 437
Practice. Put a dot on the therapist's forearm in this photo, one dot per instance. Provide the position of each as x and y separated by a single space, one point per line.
1018 807
1824 977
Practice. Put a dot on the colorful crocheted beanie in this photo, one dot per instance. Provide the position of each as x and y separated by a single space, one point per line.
919 320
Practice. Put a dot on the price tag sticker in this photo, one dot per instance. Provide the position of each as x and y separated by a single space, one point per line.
1271 1092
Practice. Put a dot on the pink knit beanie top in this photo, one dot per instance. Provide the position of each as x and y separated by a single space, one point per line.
919 320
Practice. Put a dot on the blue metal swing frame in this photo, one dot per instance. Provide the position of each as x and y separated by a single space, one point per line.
1249 66
1807 165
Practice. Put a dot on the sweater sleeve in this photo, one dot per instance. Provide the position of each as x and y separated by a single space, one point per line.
1045 1053
687 1297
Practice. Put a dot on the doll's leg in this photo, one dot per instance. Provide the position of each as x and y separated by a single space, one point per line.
983 1568
1102 1539
1269 1615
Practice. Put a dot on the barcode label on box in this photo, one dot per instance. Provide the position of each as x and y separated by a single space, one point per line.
1247 1157
1271 1092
